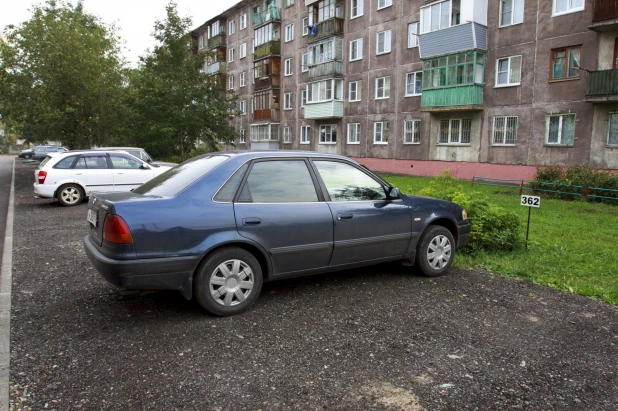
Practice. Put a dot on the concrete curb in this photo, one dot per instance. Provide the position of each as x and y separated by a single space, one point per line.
6 280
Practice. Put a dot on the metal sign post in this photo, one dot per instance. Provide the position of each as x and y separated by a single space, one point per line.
530 201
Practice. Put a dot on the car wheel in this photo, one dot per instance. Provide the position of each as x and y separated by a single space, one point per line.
70 195
27 156
435 251
228 282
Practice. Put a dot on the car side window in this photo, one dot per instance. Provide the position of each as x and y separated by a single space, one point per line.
279 181
91 162
345 182
65 162
226 193
124 162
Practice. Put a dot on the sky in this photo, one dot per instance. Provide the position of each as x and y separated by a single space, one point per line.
134 18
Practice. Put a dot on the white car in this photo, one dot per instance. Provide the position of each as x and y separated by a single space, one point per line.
72 176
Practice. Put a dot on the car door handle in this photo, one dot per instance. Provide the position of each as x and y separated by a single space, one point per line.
344 216
251 221
119 173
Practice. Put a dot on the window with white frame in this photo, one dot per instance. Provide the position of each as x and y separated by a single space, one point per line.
383 87
289 32
231 55
438 15
356 49
201 42
287 135
383 42
305 25
243 107
384 3
325 90
326 50
414 83
289 3
380 132
354 90
504 131
243 81
304 63
230 82
287 101
612 129
243 21
287 67
412 35
303 98
305 134
455 131
511 12
328 134
560 129
508 71
354 133
567 6
232 26
243 50
243 136
411 131
356 8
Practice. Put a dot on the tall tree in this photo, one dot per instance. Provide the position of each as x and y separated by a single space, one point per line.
61 76
175 104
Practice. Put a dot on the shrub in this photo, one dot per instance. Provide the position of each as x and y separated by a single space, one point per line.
576 181
493 227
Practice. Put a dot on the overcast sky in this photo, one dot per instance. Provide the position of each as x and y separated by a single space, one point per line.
134 18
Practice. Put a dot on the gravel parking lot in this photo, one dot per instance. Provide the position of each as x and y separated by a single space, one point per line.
379 338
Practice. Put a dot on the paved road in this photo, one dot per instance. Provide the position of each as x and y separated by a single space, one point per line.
379 338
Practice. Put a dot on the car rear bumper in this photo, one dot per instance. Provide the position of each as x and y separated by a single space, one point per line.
45 191
463 234
173 273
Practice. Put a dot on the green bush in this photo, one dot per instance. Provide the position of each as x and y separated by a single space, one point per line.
493 227
576 181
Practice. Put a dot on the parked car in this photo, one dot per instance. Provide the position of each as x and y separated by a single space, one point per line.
40 152
218 225
139 153
74 175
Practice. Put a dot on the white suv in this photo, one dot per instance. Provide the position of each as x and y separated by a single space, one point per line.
71 176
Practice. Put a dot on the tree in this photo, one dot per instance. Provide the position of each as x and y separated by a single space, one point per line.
61 76
175 104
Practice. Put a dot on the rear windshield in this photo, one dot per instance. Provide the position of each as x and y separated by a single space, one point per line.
45 160
176 179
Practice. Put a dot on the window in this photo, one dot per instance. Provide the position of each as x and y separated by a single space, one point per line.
454 70
345 182
243 136
354 90
565 63
356 49
325 90
411 131
243 21
324 10
438 16
380 132
304 63
511 12
303 97
289 32
414 83
91 162
327 50
455 131
356 8
560 129
243 107
504 131
384 3
232 26
305 134
612 131
353 133
265 132
383 40
231 54
383 87
412 35
265 34
305 25
243 50
293 183
328 134
508 71
287 67
65 163
287 101
124 162
567 6
289 3
230 82
243 81
201 42
287 135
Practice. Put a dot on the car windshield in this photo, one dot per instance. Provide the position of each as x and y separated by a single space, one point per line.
178 178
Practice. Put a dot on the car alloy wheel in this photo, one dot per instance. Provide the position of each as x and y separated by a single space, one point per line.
439 252
231 283
70 195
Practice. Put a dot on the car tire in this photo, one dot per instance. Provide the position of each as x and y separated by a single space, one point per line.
228 282
70 195
27 156
435 251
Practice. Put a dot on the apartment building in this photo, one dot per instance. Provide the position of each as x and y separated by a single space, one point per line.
500 86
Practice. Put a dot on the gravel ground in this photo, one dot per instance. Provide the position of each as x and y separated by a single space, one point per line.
379 338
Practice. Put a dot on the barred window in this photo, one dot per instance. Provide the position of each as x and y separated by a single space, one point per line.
504 130
455 131
412 131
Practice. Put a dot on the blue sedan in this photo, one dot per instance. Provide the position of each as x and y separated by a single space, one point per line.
216 226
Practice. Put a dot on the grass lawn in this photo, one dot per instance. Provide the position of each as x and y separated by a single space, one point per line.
573 245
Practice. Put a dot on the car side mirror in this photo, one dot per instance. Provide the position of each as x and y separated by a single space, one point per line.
144 167
393 193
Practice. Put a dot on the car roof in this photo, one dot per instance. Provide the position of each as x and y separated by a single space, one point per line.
117 148
278 153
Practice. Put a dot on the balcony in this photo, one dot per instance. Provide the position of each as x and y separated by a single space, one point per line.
454 39
267 49
327 28
268 15
330 68
328 109
272 114
217 41
464 97
602 86
218 67
605 15
269 81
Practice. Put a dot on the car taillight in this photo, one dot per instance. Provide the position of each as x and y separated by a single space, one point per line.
116 230
42 175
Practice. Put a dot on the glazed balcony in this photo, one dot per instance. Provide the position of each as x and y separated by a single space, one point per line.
268 81
602 86
329 68
325 110
464 97
268 15
271 114
220 40
216 68
454 39
267 49
327 28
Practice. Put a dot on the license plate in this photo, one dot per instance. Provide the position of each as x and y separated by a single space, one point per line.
92 217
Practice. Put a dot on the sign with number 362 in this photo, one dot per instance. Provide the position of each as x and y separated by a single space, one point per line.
530 201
